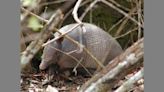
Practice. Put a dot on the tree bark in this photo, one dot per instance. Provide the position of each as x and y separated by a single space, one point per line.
103 81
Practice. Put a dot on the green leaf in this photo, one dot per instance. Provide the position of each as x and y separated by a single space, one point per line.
29 3
34 23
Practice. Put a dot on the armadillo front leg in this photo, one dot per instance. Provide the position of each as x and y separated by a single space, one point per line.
49 76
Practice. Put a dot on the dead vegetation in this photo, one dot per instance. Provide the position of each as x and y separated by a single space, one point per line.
122 19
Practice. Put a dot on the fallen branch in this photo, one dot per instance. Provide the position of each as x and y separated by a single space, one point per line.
116 69
29 38
130 83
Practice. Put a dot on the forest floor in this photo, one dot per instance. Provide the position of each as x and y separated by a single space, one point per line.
33 83
61 83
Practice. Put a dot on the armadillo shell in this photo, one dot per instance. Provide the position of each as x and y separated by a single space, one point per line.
97 41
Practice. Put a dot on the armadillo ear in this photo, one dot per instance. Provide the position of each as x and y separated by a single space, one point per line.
60 40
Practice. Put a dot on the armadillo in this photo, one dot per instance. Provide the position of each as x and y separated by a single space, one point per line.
100 43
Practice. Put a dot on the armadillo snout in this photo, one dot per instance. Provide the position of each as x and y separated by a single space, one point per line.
43 65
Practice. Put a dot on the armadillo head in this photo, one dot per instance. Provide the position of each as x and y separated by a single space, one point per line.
50 55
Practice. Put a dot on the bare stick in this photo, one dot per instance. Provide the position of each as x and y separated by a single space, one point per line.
70 11
88 8
142 20
130 31
52 2
118 5
130 82
116 24
74 13
138 2
122 12
91 16
40 18
121 27
75 16
130 13
36 7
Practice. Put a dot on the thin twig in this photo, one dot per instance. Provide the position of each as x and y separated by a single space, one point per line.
75 16
25 15
138 2
74 13
70 11
52 2
61 35
130 31
118 5
88 8
40 18
116 24
122 12
121 27
91 16
142 19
